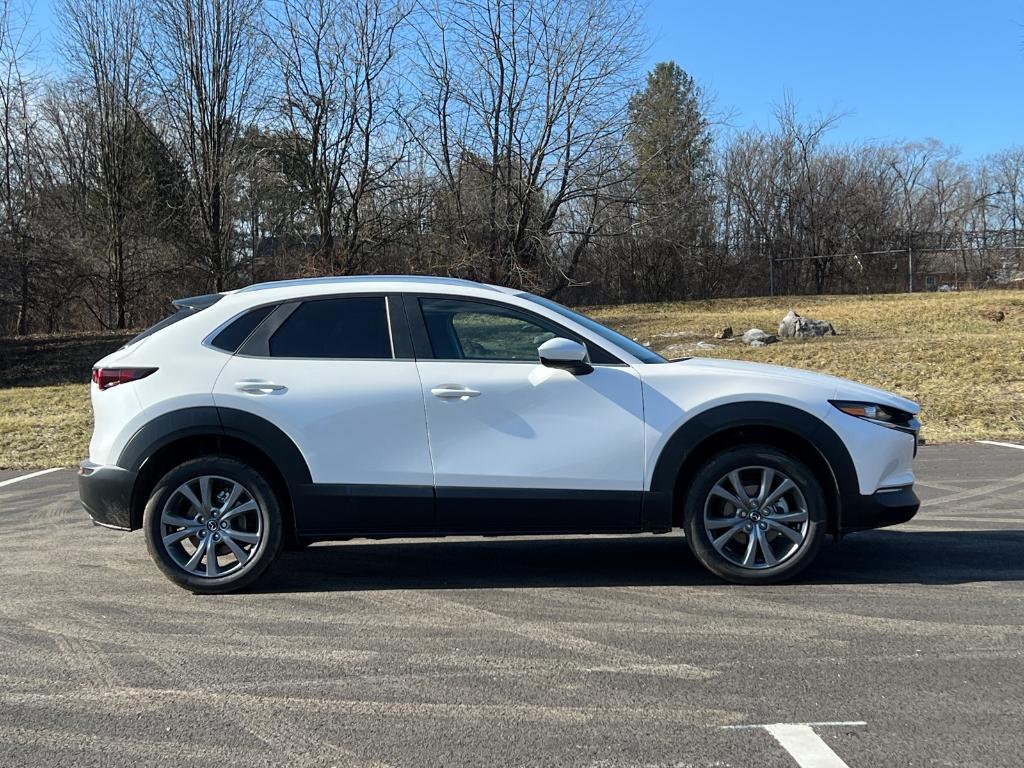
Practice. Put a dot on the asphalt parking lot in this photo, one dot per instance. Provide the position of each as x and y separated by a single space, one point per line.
594 652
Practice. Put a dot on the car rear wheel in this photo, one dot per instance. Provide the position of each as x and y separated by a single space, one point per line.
213 524
755 515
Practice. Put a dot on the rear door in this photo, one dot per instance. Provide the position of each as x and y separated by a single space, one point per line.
517 446
337 376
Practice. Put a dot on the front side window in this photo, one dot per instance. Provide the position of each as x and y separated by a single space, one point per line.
640 352
351 327
472 330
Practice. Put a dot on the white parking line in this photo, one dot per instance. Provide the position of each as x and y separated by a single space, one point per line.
29 476
1001 445
803 744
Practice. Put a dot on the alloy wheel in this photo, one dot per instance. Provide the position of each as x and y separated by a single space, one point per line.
212 526
756 517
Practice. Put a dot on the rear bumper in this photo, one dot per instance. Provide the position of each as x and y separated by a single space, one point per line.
106 494
888 507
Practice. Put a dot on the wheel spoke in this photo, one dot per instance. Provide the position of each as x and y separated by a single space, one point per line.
790 517
766 548
722 522
750 555
240 554
786 531
737 485
197 505
248 538
176 521
173 538
726 537
721 493
197 556
767 478
784 487
212 568
204 488
236 491
241 509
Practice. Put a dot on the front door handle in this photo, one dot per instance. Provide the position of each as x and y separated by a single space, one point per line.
259 387
454 392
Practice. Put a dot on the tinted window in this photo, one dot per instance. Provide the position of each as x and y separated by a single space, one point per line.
470 330
354 327
181 314
185 308
231 338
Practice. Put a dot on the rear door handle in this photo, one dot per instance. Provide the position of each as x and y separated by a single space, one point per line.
259 387
454 392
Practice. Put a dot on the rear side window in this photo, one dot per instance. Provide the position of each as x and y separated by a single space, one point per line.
352 327
231 338
181 314
185 308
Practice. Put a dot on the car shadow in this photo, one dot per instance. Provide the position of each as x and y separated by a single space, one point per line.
875 557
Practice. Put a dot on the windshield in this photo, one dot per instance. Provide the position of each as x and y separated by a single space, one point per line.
640 352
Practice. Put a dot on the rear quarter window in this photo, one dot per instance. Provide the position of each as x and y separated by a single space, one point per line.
237 331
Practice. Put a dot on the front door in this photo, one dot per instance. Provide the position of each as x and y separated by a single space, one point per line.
329 377
517 446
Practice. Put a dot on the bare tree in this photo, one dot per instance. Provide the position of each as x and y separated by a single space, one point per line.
18 158
526 108
207 58
103 39
336 60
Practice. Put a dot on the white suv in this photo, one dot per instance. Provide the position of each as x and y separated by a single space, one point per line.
305 410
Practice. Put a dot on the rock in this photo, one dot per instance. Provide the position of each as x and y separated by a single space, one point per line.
794 326
726 333
995 315
757 335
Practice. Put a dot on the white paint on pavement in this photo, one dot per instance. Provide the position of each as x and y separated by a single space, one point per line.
801 742
29 476
805 746
1001 445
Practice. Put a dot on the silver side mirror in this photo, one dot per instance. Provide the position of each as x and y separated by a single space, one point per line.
565 354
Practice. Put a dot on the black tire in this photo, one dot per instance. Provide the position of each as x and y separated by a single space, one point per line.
266 519
749 460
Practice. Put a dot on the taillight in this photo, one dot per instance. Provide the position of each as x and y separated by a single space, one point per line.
105 378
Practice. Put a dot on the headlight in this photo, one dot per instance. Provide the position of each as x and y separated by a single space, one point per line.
883 415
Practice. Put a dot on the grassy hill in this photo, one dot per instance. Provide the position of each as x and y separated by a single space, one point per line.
966 370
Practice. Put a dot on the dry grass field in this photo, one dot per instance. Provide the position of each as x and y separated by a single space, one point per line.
965 370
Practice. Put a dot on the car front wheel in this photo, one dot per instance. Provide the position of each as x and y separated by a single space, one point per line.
755 515
213 524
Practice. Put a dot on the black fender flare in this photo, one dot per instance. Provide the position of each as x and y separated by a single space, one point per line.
804 426
212 421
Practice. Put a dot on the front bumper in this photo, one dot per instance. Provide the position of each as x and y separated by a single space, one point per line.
880 509
106 494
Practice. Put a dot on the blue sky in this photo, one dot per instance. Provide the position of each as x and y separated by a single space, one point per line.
899 70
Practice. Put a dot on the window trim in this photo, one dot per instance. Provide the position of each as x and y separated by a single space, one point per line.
424 350
258 344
